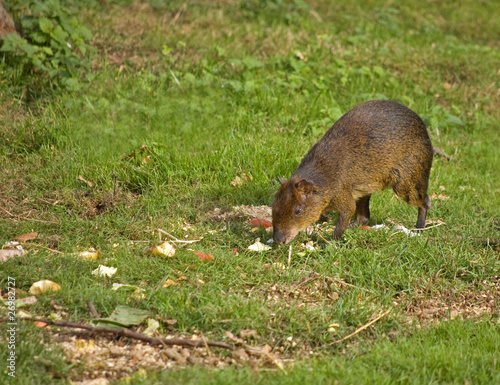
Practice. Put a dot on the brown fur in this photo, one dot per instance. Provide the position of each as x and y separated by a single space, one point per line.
376 145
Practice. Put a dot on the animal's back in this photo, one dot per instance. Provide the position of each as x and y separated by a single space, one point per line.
377 144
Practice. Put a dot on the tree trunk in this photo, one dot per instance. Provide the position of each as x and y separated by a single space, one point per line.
6 22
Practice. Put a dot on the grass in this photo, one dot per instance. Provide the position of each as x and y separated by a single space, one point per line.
221 89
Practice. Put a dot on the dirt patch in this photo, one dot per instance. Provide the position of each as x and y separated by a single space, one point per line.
89 204
116 358
466 304
310 291
220 215
113 358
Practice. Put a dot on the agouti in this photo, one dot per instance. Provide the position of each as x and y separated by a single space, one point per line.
376 145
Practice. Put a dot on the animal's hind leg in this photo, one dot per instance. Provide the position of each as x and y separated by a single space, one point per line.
415 196
363 210
422 213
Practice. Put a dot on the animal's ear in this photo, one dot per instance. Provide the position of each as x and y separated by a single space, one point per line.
305 187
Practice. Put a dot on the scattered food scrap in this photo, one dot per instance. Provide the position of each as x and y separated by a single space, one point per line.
105 271
259 246
44 286
10 250
239 181
91 254
165 249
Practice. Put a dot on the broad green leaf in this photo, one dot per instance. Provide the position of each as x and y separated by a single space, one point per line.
123 316
46 25
454 120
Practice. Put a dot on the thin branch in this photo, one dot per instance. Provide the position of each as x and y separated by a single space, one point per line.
323 238
174 239
92 310
44 247
337 281
123 332
427 228
365 326
483 241
438 151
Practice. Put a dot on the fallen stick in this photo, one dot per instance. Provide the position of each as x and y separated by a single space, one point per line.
44 247
367 325
123 332
174 239
440 152
92 310
337 281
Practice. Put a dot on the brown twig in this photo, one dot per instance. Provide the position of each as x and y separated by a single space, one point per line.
44 247
365 326
174 239
174 20
323 238
92 310
337 281
438 151
123 332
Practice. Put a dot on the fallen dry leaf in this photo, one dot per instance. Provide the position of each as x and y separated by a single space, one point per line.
249 334
39 324
241 354
44 286
90 184
441 197
165 249
259 222
233 338
204 256
26 237
238 181
169 282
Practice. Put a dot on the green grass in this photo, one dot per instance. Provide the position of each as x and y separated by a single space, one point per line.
229 95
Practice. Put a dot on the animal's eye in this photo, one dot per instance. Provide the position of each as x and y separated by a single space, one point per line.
298 211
